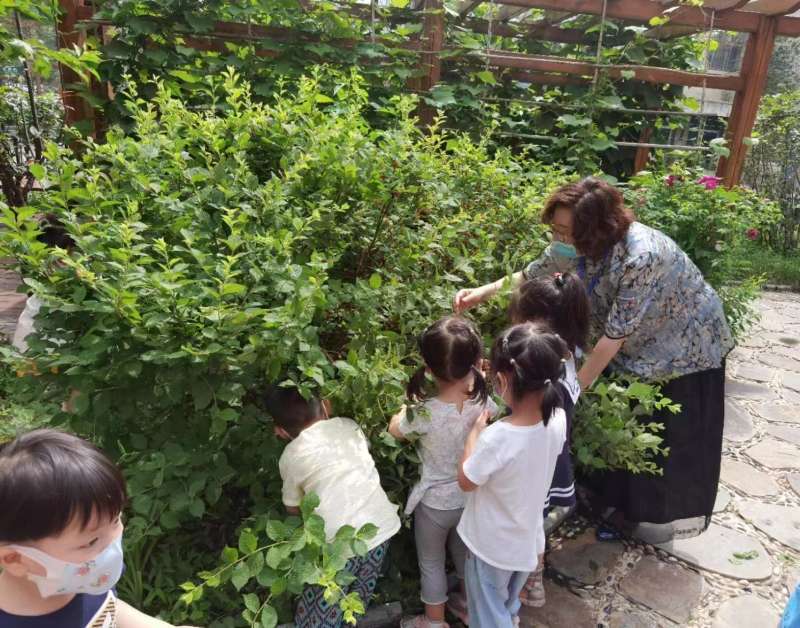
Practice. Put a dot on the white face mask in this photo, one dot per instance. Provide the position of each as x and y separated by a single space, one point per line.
94 577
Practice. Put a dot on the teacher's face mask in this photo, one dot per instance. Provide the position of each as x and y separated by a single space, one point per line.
95 576
562 249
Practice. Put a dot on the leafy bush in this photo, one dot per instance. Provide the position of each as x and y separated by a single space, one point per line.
713 225
217 251
610 430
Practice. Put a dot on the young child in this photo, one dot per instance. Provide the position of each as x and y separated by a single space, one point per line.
330 457
53 235
508 467
452 351
560 302
61 501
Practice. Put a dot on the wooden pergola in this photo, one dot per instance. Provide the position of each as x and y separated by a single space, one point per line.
762 20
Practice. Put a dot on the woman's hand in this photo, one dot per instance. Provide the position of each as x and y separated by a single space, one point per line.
470 297
467 299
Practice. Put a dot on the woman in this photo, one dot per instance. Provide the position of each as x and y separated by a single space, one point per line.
655 317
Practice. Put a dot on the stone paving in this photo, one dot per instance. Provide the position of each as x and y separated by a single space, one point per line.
738 573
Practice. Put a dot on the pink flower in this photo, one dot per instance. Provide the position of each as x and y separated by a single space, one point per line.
670 180
752 234
711 183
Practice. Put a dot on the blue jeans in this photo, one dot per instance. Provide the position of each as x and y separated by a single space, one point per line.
492 593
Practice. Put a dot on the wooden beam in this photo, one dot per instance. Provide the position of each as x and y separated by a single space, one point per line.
642 157
755 65
788 26
644 11
503 59
537 30
430 63
773 7
543 78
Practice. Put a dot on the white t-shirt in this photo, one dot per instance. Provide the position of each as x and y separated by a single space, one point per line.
570 380
331 458
513 467
25 323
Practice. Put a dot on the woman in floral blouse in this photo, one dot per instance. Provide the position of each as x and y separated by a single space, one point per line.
653 316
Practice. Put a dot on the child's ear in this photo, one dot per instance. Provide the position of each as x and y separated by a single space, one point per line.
13 562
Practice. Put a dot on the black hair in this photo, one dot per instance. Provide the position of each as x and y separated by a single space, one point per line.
50 478
290 410
559 300
533 358
54 234
450 348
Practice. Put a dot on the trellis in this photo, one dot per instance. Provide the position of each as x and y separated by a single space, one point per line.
762 20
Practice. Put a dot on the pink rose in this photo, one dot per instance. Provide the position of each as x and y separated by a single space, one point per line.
752 234
670 180
710 182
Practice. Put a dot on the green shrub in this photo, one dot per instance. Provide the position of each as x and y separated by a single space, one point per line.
218 251
713 225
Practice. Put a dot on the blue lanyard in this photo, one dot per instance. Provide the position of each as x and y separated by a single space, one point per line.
596 279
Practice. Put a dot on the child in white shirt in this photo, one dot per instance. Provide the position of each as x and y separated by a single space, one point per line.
330 457
560 302
507 468
452 353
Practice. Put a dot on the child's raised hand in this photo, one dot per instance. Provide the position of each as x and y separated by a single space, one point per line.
482 421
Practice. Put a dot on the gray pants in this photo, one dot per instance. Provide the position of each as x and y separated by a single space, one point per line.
435 531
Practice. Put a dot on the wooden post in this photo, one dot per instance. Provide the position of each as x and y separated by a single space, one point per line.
430 45
755 65
76 108
643 152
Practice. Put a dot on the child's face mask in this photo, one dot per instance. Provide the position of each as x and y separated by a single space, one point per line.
95 576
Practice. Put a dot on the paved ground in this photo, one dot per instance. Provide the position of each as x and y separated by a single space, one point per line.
736 574
739 572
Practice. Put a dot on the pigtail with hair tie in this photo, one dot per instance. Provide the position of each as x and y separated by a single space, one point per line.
480 390
415 389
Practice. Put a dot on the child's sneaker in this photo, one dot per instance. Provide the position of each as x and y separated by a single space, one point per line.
457 605
421 621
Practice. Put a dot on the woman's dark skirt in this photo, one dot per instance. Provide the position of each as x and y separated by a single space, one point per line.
562 488
688 486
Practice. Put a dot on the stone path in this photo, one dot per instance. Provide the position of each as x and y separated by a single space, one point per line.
738 573
11 301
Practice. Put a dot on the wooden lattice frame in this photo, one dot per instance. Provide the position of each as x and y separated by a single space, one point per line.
767 20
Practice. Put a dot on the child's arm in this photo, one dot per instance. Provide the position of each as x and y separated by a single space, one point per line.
464 483
129 617
394 424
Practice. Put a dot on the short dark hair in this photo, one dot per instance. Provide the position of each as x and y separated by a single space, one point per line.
450 348
48 479
533 358
54 234
559 300
600 218
289 409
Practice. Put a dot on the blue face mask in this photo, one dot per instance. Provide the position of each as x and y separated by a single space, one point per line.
563 249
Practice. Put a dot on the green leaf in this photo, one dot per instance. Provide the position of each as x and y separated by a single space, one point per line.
241 576
248 542
486 77
251 602
309 505
269 617
277 530
37 170
375 281
367 532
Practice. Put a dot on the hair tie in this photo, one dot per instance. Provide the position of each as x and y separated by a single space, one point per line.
559 278
512 362
547 382
563 360
505 343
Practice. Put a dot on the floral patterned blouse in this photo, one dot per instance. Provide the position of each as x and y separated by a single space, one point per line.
649 292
